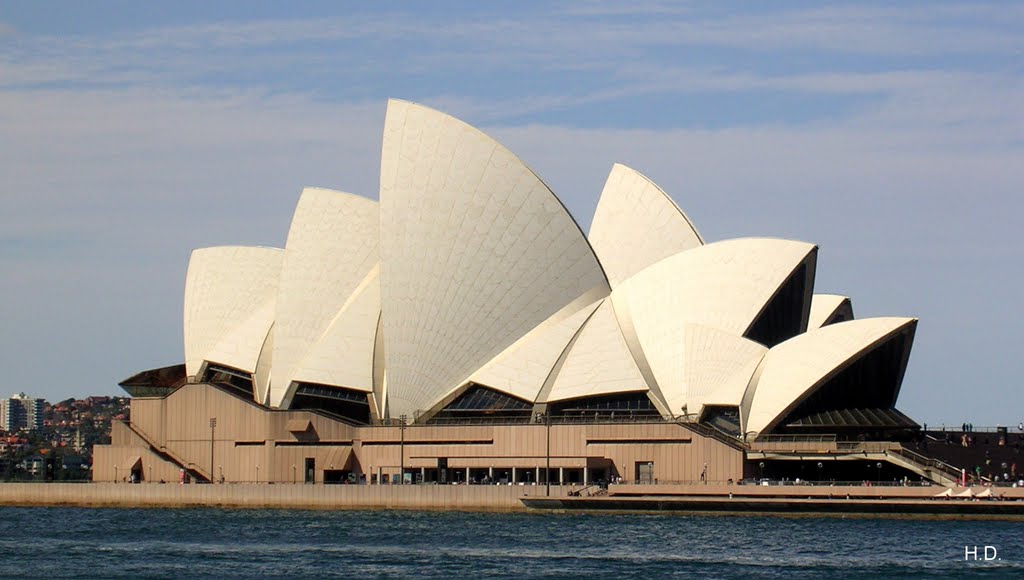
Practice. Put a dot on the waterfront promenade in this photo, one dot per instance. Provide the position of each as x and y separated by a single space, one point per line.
500 498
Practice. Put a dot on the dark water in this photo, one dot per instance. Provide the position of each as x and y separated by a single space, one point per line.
71 542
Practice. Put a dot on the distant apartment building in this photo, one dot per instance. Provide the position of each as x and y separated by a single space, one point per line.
21 412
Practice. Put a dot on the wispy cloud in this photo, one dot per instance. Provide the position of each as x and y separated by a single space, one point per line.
123 151
569 40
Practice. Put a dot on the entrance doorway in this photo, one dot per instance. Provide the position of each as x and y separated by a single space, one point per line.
134 476
442 470
645 472
310 470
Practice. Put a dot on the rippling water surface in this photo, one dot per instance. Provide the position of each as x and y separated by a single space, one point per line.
61 542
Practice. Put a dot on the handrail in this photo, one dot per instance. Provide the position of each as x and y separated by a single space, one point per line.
866 446
987 429
714 433
783 438
946 469
890 447
587 490
163 450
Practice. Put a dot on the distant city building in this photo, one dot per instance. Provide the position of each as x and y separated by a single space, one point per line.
21 412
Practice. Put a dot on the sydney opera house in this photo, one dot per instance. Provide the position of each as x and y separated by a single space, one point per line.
464 329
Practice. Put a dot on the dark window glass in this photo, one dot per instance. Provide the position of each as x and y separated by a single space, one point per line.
339 402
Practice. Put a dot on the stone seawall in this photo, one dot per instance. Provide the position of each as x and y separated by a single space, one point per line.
498 498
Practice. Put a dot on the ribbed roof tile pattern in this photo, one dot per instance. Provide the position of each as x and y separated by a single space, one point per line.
825 306
637 224
717 367
332 245
723 285
226 287
343 357
476 251
470 271
598 362
795 368
523 368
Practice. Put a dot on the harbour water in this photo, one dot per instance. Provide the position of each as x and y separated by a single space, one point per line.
79 542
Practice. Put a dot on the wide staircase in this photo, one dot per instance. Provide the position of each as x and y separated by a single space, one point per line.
714 433
995 454
194 471
930 468
796 448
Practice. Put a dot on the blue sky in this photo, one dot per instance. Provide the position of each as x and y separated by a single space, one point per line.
891 135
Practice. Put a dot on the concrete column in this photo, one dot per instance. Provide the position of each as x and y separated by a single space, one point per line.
423 475
513 475
561 476
586 476
490 474
536 480
467 475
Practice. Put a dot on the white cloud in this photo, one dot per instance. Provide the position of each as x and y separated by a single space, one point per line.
570 40
122 154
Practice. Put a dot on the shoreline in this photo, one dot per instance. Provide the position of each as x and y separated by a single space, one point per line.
703 500
277 496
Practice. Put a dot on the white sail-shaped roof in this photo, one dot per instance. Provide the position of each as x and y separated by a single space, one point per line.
793 369
241 347
637 224
598 362
261 377
343 357
229 300
829 308
471 272
523 368
476 251
724 285
332 245
717 367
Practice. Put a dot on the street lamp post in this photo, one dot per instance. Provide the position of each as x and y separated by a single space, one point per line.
547 454
213 428
401 450
547 471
